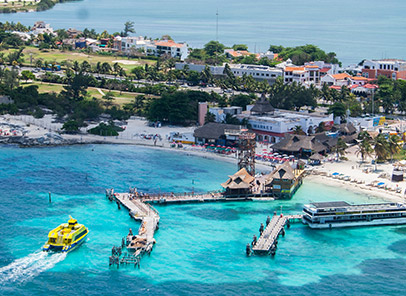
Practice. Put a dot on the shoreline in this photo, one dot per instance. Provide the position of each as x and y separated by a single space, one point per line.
358 188
44 133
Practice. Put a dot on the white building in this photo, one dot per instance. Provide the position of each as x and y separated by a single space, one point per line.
304 75
150 47
170 47
127 43
220 113
336 79
42 28
271 127
256 71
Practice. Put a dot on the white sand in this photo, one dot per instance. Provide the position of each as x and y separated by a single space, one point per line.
137 126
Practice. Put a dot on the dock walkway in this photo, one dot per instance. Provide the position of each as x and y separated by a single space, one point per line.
267 242
144 241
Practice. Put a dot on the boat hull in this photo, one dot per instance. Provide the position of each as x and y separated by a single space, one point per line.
66 248
375 222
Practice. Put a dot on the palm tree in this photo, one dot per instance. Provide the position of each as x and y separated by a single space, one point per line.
364 149
85 67
381 147
105 68
116 69
393 145
298 130
340 147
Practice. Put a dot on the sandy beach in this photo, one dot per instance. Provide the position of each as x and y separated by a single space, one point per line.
349 175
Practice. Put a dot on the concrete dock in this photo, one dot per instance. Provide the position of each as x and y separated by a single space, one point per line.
268 240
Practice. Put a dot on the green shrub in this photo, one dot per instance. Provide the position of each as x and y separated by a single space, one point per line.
106 129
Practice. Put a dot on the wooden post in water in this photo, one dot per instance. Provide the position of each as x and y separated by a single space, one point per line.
49 193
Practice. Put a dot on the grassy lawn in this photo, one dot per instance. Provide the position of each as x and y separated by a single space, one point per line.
18 6
119 99
58 56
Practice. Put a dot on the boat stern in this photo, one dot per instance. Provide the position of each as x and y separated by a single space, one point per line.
46 248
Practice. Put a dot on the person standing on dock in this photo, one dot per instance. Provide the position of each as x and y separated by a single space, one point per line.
261 229
254 240
268 219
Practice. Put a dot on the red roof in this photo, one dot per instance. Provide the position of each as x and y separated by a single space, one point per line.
324 70
341 76
168 43
371 86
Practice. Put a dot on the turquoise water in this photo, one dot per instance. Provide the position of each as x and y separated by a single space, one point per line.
354 30
200 248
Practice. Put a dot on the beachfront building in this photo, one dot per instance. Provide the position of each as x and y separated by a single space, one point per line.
239 184
284 181
171 48
336 79
309 74
299 145
391 68
271 125
130 45
258 72
231 53
41 27
215 133
221 113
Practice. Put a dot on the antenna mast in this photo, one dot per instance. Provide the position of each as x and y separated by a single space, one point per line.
217 32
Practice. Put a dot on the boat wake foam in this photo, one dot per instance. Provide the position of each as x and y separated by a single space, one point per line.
29 266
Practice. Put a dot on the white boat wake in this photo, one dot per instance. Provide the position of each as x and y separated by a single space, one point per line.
29 266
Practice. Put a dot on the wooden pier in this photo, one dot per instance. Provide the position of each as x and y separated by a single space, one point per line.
142 242
267 242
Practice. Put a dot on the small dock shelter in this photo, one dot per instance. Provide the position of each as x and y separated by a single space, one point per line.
315 159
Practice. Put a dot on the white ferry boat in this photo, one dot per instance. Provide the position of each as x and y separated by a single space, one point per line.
342 214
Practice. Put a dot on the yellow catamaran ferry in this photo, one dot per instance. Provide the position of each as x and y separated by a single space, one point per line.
66 236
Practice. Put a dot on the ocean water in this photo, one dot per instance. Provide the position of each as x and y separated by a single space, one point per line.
365 29
200 248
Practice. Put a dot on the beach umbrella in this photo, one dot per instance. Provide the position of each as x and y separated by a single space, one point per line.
335 174
381 183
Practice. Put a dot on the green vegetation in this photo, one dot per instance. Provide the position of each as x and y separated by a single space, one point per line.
305 53
211 54
24 6
178 107
384 146
103 129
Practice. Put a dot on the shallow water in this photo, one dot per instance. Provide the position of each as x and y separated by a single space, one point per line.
367 29
200 247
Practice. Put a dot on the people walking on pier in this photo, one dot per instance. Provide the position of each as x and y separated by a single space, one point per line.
268 219
130 232
261 229
254 240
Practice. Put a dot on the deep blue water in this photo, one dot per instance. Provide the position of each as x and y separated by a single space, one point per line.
200 247
355 30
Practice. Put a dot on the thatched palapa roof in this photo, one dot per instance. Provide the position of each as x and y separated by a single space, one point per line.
214 130
316 156
284 171
295 143
240 180
262 106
